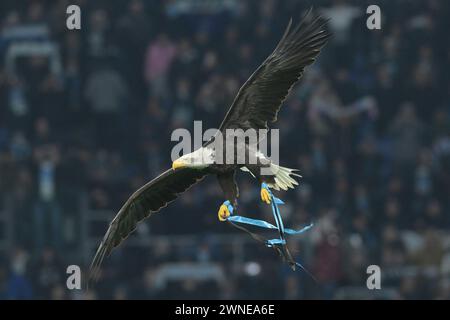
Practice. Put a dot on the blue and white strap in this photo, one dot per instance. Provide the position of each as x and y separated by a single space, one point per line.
272 243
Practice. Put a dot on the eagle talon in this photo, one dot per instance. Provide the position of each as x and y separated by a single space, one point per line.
265 195
223 213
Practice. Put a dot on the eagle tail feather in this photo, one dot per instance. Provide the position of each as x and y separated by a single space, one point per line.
283 177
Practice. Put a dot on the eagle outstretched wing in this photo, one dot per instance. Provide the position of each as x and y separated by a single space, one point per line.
257 103
260 98
149 199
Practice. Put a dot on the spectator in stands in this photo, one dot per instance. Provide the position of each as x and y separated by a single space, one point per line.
86 116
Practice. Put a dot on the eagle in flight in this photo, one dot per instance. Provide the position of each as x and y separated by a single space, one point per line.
256 104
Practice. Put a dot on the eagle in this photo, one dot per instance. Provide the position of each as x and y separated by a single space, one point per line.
256 104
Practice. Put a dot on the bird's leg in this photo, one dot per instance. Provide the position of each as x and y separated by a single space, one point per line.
231 192
225 210
265 193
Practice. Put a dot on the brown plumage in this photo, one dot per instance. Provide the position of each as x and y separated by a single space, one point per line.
257 103
260 98
149 199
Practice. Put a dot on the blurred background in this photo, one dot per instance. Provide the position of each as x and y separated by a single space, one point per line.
86 118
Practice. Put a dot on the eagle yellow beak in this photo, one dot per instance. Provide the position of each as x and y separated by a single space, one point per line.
178 164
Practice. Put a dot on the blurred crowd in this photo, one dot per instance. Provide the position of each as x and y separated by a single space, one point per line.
86 118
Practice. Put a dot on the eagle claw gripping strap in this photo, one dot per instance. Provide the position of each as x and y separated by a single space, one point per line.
278 244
